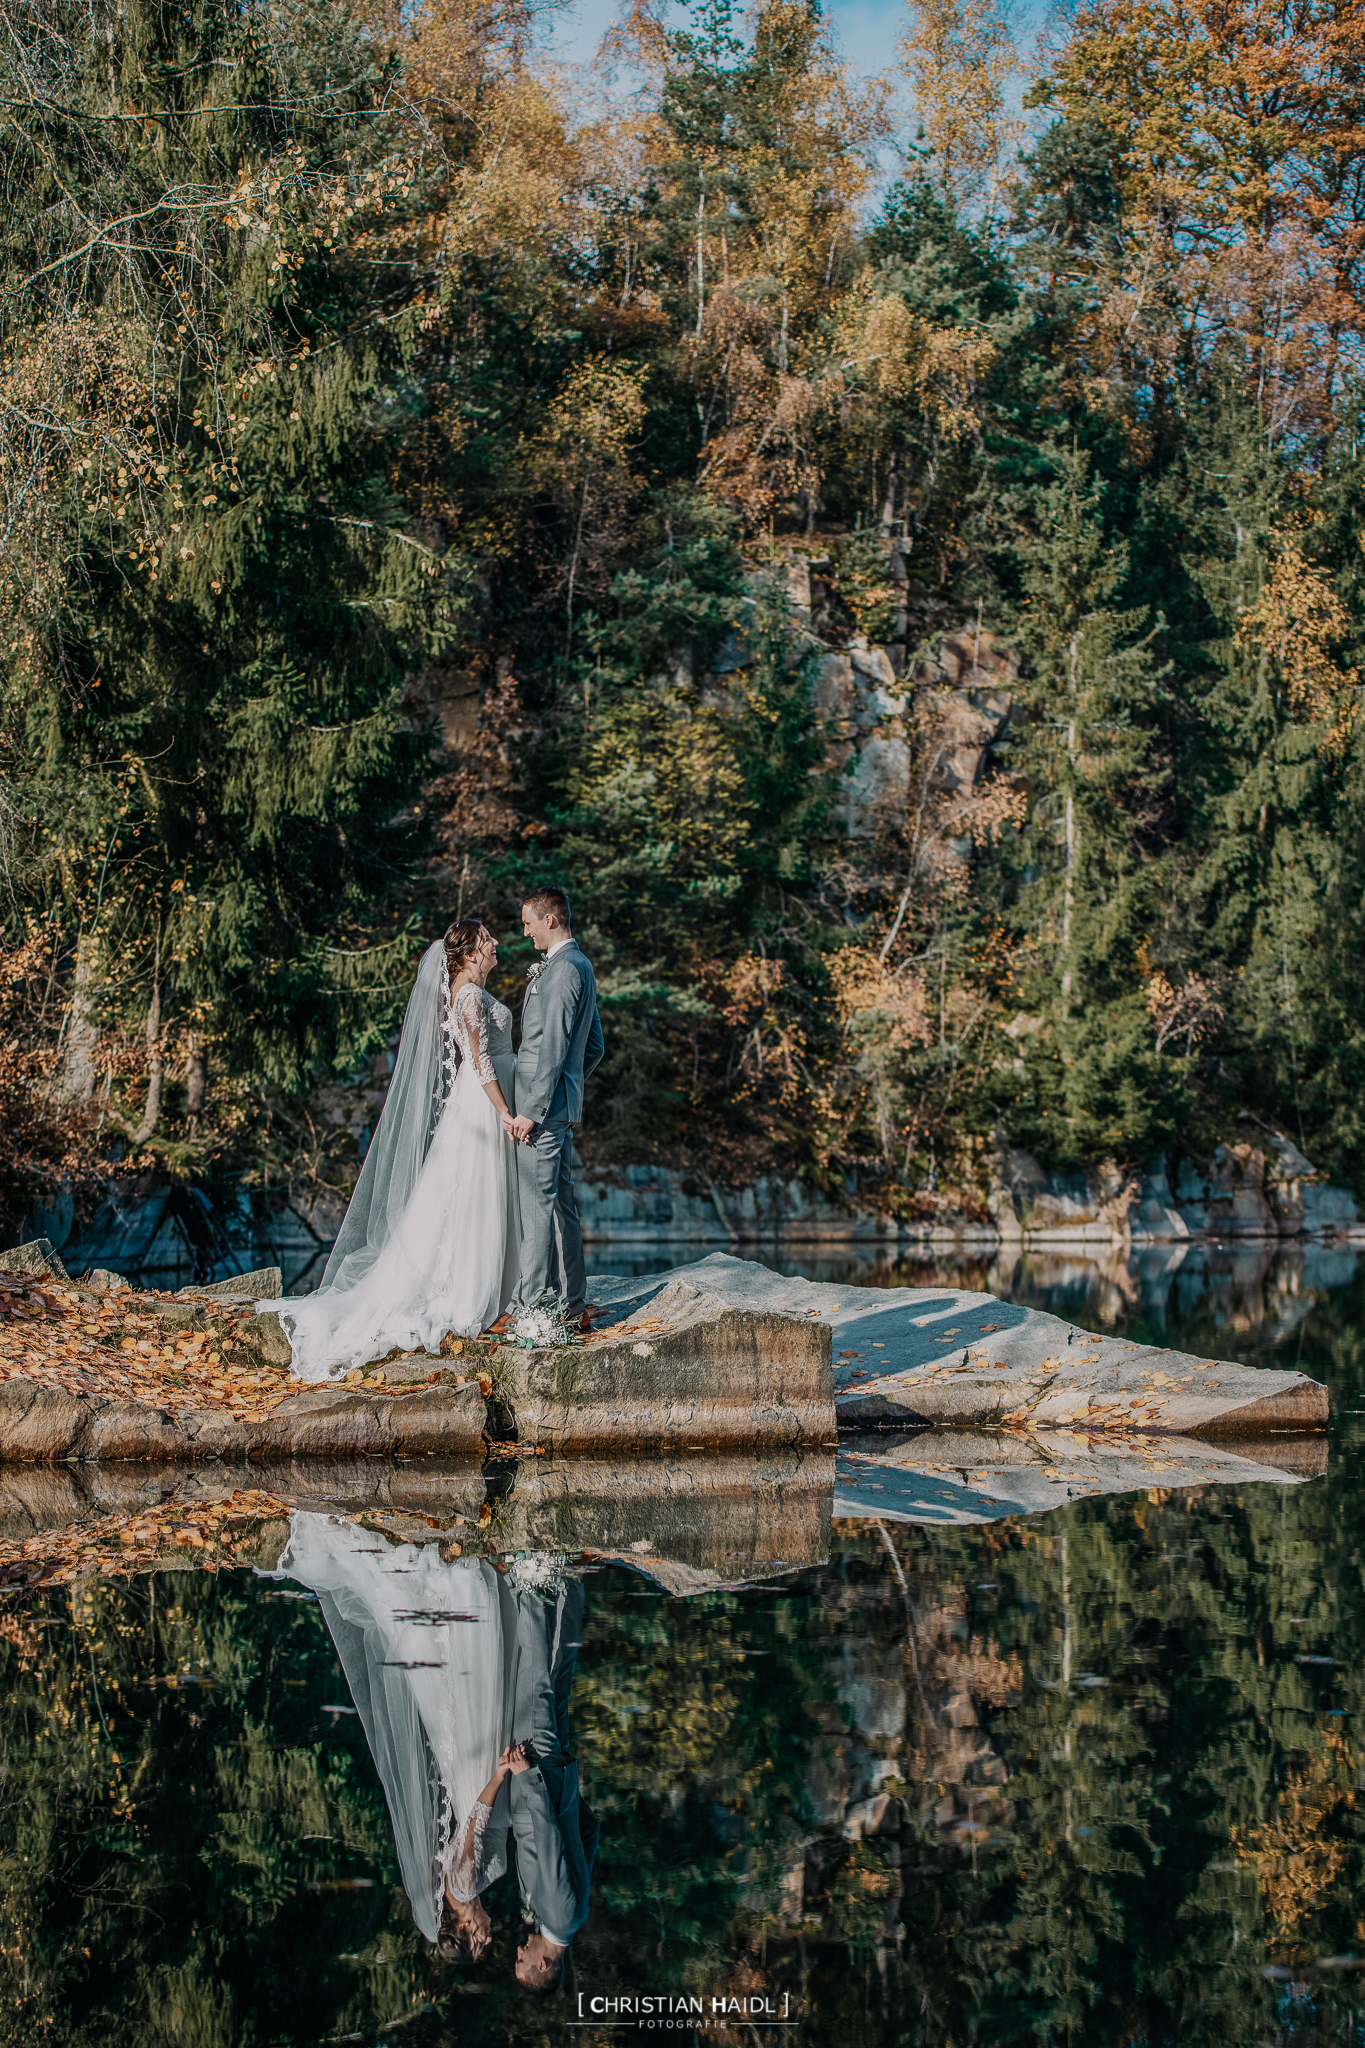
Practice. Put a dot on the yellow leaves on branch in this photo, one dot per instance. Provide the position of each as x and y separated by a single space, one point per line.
1296 621
514 165
1238 127
875 1001
958 56
75 408
750 986
1193 1011
774 1044
881 345
878 352
581 460
1228 113
595 416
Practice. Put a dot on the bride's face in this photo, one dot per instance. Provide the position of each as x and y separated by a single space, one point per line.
486 954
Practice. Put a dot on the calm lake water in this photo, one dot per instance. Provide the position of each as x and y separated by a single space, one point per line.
1091 1777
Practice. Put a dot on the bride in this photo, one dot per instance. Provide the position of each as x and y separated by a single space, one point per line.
432 1238
429 1649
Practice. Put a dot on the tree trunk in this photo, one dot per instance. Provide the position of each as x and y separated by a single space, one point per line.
1069 895
151 1114
196 1074
76 1083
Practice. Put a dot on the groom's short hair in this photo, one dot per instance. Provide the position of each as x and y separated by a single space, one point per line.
543 1977
548 903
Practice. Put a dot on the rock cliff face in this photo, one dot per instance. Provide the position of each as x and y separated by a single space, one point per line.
647 1203
1265 1190
867 692
1261 1188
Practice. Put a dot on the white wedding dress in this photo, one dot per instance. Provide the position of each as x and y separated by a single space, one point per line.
432 1239
429 1653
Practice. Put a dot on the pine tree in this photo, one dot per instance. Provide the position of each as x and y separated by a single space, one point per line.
206 680
1091 1082
685 808
1276 766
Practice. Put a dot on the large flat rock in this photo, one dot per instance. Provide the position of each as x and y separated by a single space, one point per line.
720 1356
953 1358
42 1425
691 1371
694 1372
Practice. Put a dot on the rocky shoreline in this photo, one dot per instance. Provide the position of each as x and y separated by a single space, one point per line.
1262 1192
1263 1188
724 1355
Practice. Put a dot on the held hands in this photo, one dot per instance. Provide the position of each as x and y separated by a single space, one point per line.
515 1760
519 1128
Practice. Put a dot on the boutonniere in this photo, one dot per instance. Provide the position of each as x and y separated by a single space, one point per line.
534 972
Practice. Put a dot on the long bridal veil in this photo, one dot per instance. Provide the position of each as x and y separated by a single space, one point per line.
412 1108
430 1241
429 1652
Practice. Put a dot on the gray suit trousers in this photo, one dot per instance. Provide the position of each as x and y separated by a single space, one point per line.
548 1633
555 1833
551 1235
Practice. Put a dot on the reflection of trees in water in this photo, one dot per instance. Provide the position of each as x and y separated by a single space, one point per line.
166 1818
1160 1839
1248 1299
893 1787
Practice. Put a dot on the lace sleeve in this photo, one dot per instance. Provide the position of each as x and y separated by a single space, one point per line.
450 1052
466 1869
469 1020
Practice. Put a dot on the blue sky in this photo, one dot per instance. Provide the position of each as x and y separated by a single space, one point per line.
866 30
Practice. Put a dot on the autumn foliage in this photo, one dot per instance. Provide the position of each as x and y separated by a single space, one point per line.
920 623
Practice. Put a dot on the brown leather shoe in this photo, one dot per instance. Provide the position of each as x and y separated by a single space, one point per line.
500 1327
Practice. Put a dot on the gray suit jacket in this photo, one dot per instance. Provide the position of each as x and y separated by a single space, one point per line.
556 1836
561 1039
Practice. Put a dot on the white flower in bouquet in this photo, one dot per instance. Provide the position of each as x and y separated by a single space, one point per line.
538 1571
541 1325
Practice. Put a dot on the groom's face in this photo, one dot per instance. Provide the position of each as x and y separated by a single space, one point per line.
542 931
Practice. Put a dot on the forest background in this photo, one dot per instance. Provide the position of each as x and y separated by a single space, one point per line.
411 461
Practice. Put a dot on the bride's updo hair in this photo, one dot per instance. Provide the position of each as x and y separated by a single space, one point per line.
462 942
463 1937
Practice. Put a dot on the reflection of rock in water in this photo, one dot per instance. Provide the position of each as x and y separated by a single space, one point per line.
903 1771
691 1524
173 1237
1245 1285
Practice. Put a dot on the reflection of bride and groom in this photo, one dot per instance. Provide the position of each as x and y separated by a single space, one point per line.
465 1200
460 1672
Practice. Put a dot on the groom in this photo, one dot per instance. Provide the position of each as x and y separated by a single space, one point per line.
555 1830
561 1043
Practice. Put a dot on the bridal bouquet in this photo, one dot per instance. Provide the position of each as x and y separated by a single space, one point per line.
538 1571
542 1325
